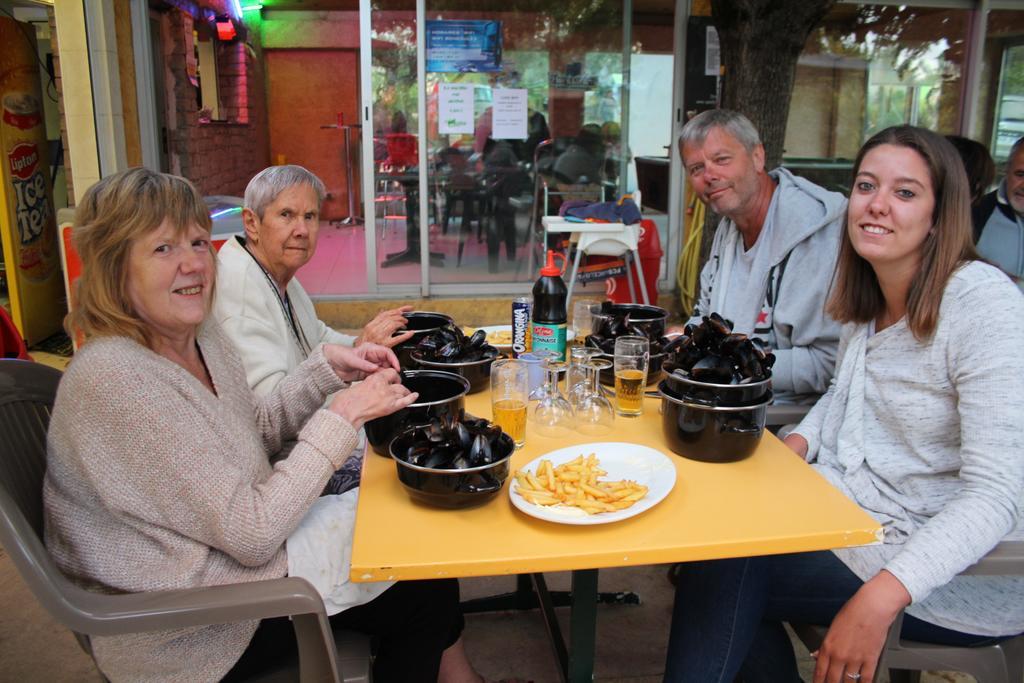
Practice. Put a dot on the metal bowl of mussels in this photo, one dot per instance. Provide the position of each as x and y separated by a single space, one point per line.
712 433
421 323
453 464
441 396
450 350
477 372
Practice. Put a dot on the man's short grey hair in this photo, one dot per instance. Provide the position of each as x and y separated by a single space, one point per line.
734 123
1017 146
266 185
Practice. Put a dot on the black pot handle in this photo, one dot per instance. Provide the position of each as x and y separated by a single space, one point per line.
495 485
752 429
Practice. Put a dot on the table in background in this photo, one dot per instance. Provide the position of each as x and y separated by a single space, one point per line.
770 503
409 180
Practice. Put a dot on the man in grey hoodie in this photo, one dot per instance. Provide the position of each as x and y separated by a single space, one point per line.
774 252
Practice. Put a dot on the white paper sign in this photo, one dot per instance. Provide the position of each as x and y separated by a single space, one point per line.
712 53
455 108
509 121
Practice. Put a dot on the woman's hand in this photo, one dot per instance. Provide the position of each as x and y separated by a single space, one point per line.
797 443
379 394
855 639
354 364
383 325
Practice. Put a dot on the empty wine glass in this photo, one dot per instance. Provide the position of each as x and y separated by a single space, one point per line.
552 415
595 414
538 373
602 363
582 318
576 378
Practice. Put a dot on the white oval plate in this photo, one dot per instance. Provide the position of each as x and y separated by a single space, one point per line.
492 329
641 464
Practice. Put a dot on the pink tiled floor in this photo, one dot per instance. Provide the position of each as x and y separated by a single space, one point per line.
339 265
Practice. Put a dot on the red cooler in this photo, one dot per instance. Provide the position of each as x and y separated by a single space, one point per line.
650 259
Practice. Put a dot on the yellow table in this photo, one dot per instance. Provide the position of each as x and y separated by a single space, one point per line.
770 503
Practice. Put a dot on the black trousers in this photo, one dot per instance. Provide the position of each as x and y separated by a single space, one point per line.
411 623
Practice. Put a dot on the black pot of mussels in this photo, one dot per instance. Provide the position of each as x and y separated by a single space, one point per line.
639 320
711 365
449 349
442 395
453 463
421 323
711 433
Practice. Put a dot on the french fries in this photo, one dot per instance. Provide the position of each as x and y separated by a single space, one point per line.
575 483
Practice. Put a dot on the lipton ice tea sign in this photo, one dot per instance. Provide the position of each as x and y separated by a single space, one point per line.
27 224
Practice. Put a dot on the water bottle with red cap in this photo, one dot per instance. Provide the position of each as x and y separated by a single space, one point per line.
549 314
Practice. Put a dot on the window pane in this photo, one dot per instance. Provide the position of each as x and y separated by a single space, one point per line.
866 68
490 183
1000 119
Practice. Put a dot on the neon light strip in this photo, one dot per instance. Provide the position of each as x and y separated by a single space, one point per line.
224 212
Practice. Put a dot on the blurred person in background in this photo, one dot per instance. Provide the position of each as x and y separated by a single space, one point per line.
999 219
978 163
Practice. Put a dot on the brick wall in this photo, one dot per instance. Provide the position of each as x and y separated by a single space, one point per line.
219 158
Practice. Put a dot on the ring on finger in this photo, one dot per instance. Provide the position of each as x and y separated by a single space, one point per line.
853 676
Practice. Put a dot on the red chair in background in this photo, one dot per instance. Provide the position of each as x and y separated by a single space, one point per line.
402 154
403 151
11 343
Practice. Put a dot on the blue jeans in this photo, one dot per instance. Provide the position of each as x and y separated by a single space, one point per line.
728 614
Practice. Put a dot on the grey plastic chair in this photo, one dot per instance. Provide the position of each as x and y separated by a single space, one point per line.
905 659
27 392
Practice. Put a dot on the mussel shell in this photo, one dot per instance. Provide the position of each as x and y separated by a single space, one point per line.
463 435
478 339
480 451
713 369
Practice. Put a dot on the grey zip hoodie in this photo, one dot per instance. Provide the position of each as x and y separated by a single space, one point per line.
784 302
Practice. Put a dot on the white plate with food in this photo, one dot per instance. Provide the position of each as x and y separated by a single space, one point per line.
500 336
633 479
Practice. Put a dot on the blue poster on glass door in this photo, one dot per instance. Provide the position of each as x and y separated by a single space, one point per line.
463 46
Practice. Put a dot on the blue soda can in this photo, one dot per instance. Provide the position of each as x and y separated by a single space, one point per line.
522 306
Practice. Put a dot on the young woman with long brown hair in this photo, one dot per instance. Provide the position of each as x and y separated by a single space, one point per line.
921 427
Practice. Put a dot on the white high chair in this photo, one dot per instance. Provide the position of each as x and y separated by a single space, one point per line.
602 239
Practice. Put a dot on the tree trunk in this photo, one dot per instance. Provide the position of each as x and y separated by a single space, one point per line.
760 43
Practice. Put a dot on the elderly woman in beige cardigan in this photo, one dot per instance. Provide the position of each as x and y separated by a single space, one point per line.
158 474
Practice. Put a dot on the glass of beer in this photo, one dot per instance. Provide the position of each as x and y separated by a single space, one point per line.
632 355
510 390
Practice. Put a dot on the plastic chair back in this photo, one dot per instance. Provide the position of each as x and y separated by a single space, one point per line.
11 343
27 392
72 270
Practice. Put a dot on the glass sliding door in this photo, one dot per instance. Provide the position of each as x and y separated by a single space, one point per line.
524 103
390 140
